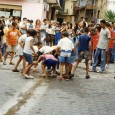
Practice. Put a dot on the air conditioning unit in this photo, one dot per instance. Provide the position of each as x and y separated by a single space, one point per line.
57 12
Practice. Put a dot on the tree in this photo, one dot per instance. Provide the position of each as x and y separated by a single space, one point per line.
110 15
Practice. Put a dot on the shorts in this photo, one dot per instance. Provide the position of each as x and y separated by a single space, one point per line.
85 55
72 59
63 59
11 48
50 63
28 58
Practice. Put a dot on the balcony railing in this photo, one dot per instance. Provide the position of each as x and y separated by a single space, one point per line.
52 1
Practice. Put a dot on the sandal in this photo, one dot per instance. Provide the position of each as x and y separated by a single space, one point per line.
11 63
15 70
43 75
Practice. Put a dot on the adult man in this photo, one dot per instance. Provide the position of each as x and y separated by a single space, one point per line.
9 21
11 36
101 47
84 46
23 26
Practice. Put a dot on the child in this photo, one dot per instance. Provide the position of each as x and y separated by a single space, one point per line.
66 46
11 36
84 46
27 52
20 51
49 61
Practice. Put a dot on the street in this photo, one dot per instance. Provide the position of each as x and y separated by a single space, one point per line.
40 96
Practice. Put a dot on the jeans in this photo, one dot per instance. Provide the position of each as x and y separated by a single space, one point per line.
103 58
57 37
3 49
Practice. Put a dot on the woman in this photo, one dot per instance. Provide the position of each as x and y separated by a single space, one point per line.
37 28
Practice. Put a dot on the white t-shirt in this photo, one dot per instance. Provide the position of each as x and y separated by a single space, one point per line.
65 44
27 48
19 48
104 38
46 49
23 25
49 31
35 48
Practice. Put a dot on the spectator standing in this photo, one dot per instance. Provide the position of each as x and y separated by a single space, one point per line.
12 37
102 47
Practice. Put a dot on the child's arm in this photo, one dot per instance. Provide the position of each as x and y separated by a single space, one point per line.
31 46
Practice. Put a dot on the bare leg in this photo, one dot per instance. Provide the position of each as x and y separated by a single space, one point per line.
76 65
61 70
28 69
12 56
43 68
24 64
18 62
67 69
87 67
5 57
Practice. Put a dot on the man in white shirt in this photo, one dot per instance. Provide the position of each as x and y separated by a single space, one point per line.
23 26
101 47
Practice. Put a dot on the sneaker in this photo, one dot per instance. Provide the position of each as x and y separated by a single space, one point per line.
88 77
100 71
26 76
94 70
106 66
31 77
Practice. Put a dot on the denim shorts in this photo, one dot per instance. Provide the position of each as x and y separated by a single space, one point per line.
28 58
72 59
50 63
63 59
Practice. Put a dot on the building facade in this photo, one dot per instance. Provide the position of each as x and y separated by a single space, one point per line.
31 9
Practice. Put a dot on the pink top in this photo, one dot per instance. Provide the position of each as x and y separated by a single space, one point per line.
49 56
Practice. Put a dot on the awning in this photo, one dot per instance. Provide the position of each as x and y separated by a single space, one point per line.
10 7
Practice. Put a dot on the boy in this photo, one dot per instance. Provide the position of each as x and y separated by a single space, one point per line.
84 46
48 60
27 52
11 43
66 46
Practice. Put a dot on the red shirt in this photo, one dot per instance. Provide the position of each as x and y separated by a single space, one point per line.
94 41
111 41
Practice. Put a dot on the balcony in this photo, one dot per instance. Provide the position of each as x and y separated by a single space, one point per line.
52 1
62 12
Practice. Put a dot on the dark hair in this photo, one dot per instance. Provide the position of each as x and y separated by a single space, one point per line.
108 24
44 20
98 28
86 29
65 34
38 43
31 21
70 25
103 21
14 24
32 32
24 18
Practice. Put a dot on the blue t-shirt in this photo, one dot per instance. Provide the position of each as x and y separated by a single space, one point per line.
83 42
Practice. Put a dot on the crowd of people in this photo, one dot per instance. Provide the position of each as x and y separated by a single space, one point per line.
57 46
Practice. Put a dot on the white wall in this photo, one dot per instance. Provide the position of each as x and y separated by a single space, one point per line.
30 10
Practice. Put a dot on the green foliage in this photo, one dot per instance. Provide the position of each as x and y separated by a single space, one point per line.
110 15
